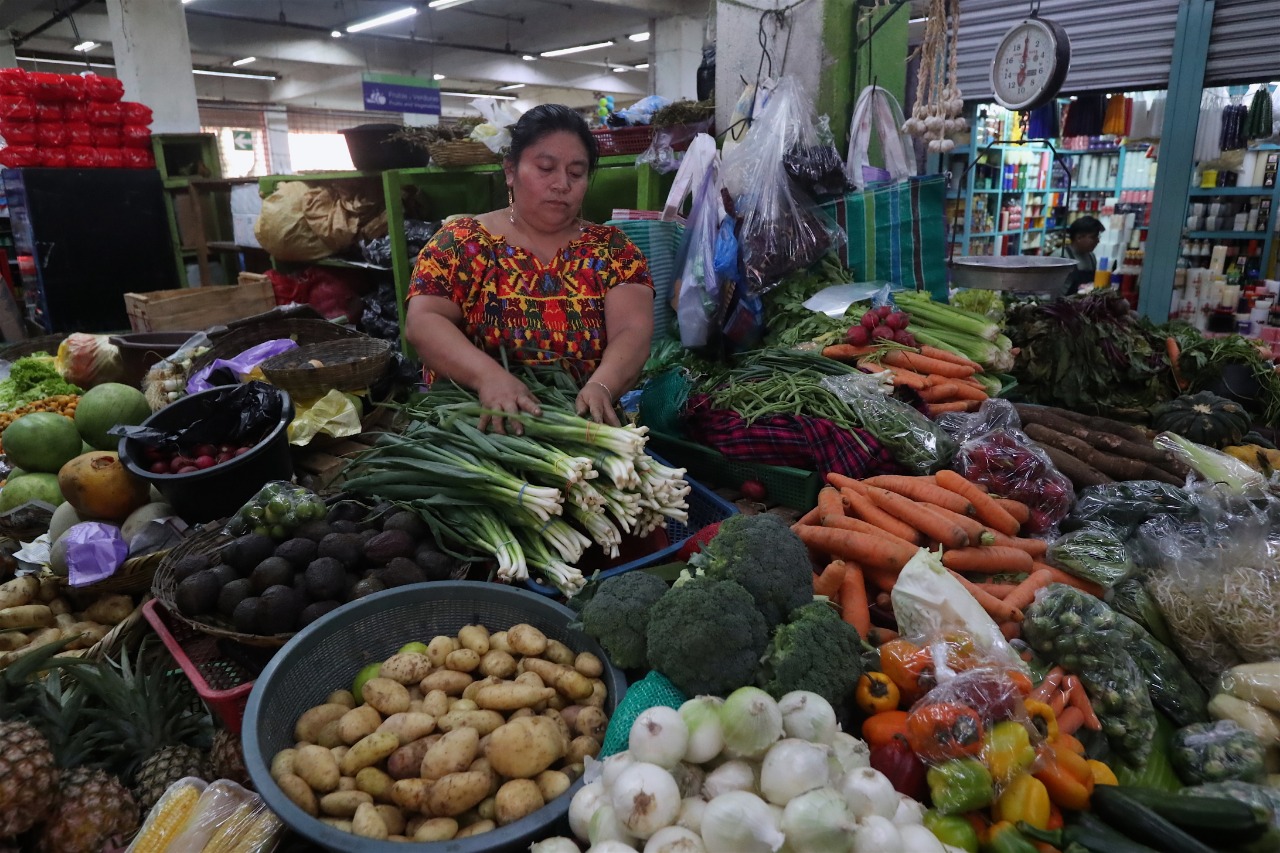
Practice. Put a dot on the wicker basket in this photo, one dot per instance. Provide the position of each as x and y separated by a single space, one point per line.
462 152
241 337
134 576
623 140
348 365
25 523
207 540
18 349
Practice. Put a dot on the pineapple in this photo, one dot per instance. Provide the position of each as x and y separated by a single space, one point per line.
92 808
28 777
228 758
166 766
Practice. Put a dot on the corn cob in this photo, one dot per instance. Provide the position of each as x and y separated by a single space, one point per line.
249 830
166 820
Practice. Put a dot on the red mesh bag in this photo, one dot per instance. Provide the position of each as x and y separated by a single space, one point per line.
79 133
75 111
111 158
54 88
18 132
49 113
53 158
135 136
107 90
19 157
51 135
106 137
105 114
135 113
17 108
138 158
14 82
82 157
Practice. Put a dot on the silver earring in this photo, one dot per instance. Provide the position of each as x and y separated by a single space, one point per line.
511 206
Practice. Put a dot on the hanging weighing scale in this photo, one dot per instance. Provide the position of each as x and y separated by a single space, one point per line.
1030 65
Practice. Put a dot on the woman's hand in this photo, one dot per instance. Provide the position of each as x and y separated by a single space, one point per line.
504 393
596 403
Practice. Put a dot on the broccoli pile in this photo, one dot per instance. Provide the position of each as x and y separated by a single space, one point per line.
762 554
617 616
816 651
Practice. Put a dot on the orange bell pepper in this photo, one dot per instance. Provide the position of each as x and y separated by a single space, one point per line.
880 729
1070 742
1026 799
1067 777
1102 774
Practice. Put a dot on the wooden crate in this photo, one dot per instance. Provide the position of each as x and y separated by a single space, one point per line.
195 308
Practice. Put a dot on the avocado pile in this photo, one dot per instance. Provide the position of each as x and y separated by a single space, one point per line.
258 585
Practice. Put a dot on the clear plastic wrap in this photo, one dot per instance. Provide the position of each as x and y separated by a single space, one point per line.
88 360
276 510
229 818
1125 506
168 817
1012 466
1221 751
993 414
917 443
1096 554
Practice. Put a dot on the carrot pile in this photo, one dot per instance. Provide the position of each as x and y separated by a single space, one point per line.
1066 696
944 380
867 530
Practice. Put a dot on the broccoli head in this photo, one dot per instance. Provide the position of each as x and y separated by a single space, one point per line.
770 562
816 651
618 613
706 636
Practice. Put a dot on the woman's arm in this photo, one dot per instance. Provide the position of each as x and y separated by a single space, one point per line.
628 322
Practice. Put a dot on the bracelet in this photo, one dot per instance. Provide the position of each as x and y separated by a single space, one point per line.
607 389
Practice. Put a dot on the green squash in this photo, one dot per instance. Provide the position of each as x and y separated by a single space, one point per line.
1204 418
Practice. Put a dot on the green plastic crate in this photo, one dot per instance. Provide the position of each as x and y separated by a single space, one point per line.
789 487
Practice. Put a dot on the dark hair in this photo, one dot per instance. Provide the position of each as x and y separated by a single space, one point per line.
1084 225
546 119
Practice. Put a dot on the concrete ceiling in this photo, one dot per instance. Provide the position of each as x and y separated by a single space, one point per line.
476 46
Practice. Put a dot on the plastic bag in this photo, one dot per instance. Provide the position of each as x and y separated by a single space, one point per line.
817 169
104 114
993 414
241 415
282 229
380 318
110 158
75 111
94 552
135 113
232 371
335 414
227 817
82 157
1221 751
138 158
53 158
51 134
17 109
417 233
107 137
103 89
498 117
80 134
157 837
17 132
877 112
663 155
1096 554
697 287
88 360
917 444
1125 506
340 214
278 509
641 112
781 231
19 157
166 380
1011 466
15 82
135 136
47 113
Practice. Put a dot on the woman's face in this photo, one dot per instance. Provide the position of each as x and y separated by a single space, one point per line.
549 182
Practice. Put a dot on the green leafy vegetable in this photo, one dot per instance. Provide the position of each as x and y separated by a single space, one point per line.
33 378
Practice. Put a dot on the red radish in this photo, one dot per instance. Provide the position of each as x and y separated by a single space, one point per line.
241 451
754 490
159 467
885 311
226 448
203 462
223 457
902 336
896 321
694 543
882 333
188 469
177 464
859 336
870 319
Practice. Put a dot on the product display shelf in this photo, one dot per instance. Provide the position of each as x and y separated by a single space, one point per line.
1267 196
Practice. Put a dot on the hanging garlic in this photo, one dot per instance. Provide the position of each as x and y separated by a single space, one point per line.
962 124
957 106
933 124
947 145
949 125
935 145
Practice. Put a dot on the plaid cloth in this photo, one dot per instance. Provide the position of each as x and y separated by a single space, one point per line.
811 444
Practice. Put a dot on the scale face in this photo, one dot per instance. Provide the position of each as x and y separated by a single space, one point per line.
1030 65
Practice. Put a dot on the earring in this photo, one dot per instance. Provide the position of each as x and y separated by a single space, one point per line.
511 206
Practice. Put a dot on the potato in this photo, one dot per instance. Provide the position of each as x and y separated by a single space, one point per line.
298 792
476 686
411 794
447 680
347 783
367 823
282 763
20 591
386 696
329 736
589 665
477 828
415 692
561 723
415 705
517 798
453 794
60 606
531 678
558 652
344 803
314 719
520 712
557 703
498 642
406 668
318 768
408 726
524 748
498 664
483 722
487 810
461 705
581 747
49 590
339 752
26 616
566 680
110 609
592 722
481 765
435 703
439 648
337 823
89 632
598 694
474 637
343 698
393 818
436 829
573 771
552 783
10 640
369 751
452 754
525 639
375 783
358 723
43 637
463 660
509 697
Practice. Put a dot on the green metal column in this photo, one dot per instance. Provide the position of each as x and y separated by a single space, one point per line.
1177 157
857 51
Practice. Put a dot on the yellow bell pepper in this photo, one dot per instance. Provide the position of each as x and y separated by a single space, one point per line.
1102 774
1026 799
1007 750
1043 720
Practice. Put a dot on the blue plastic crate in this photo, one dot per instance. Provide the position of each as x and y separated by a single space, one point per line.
705 507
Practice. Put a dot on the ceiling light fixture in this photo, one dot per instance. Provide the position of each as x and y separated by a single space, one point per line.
86 46
244 61
437 76
620 69
336 34
240 75
185 2
383 20
639 36
479 95
528 57
446 4
510 86
565 51
79 63
643 66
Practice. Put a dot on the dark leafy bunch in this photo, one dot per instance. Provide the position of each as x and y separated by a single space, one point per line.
790 324
1202 361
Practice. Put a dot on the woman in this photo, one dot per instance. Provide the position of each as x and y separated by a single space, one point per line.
535 281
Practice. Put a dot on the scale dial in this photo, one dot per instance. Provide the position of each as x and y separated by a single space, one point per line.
1030 64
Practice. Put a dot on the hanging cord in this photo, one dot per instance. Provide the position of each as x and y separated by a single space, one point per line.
75 31
781 21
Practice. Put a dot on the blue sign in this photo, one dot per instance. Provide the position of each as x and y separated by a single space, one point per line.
393 93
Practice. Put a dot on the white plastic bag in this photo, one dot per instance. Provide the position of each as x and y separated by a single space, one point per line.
498 118
697 288
877 111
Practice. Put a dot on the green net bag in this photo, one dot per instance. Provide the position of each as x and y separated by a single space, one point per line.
649 692
662 399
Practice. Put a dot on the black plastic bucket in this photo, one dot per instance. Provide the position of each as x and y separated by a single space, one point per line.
219 491
140 350
373 150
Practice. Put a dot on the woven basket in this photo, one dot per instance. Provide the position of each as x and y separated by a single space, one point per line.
240 338
126 634
624 140
134 576
208 540
25 523
348 365
19 349
462 152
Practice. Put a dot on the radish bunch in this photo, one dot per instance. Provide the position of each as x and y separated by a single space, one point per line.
879 325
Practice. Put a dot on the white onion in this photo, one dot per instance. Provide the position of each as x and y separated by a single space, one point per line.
689 778
583 807
645 798
868 792
730 776
848 753
675 839
701 716
876 834
611 846
808 716
658 736
791 767
818 821
559 844
910 812
752 722
606 826
740 822
917 839
690 817
614 765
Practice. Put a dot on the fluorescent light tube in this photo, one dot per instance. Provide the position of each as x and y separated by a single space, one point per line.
244 61
446 4
437 76
639 36
76 62
643 66
510 86
86 46
241 75
479 95
336 34
528 57
565 51
383 20
620 69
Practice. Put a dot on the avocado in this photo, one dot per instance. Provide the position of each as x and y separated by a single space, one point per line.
270 572
374 518
346 511
198 594
401 571
315 610
342 547
247 551
189 565
299 552
439 567
344 527
388 545
282 605
231 596
247 615
300 583
367 586
224 573
326 579
409 522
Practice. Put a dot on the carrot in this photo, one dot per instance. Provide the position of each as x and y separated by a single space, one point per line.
865 508
828 583
881 579
857 525
853 601
871 552
829 504
988 560
985 507
884 600
1174 352
999 590
840 481
946 355
978 535
810 517
901 376
920 489
1035 547
1021 512
1070 720
945 391
1011 630
846 352
936 409
1057 701
1022 597
1045 688
1059 576
1080 702
878 636
920 517
959 391
995 608
924 364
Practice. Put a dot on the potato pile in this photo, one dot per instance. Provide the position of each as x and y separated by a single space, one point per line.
35 612
450 739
